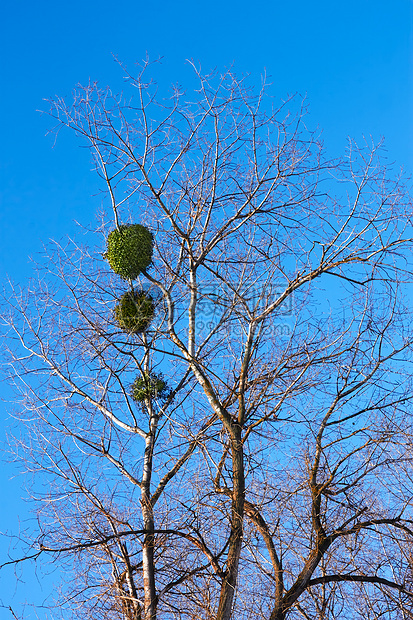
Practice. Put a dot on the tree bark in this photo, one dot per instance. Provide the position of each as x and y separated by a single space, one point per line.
148 565
237 518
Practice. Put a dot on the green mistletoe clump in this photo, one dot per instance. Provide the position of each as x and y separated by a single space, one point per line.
150 385
129 250
135 311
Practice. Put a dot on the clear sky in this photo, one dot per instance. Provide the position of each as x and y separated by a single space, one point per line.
352 59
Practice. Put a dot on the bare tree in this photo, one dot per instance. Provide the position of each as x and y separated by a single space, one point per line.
247 453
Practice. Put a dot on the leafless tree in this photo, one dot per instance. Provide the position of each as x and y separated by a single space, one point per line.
273 480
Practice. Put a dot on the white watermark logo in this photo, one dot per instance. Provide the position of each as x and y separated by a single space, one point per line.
215 300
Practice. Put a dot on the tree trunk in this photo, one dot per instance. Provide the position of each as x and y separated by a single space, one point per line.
278 613
237 521
148 565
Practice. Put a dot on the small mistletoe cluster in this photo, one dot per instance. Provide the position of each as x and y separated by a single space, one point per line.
150 385
129 252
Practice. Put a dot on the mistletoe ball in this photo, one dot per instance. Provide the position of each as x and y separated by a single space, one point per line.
150 385
129 250
135 311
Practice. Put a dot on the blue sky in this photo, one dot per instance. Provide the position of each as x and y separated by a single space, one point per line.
353 61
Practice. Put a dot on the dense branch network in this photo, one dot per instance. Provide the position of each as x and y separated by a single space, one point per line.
218 389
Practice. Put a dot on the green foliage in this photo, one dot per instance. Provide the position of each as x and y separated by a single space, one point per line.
135 311
129 250
150 385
